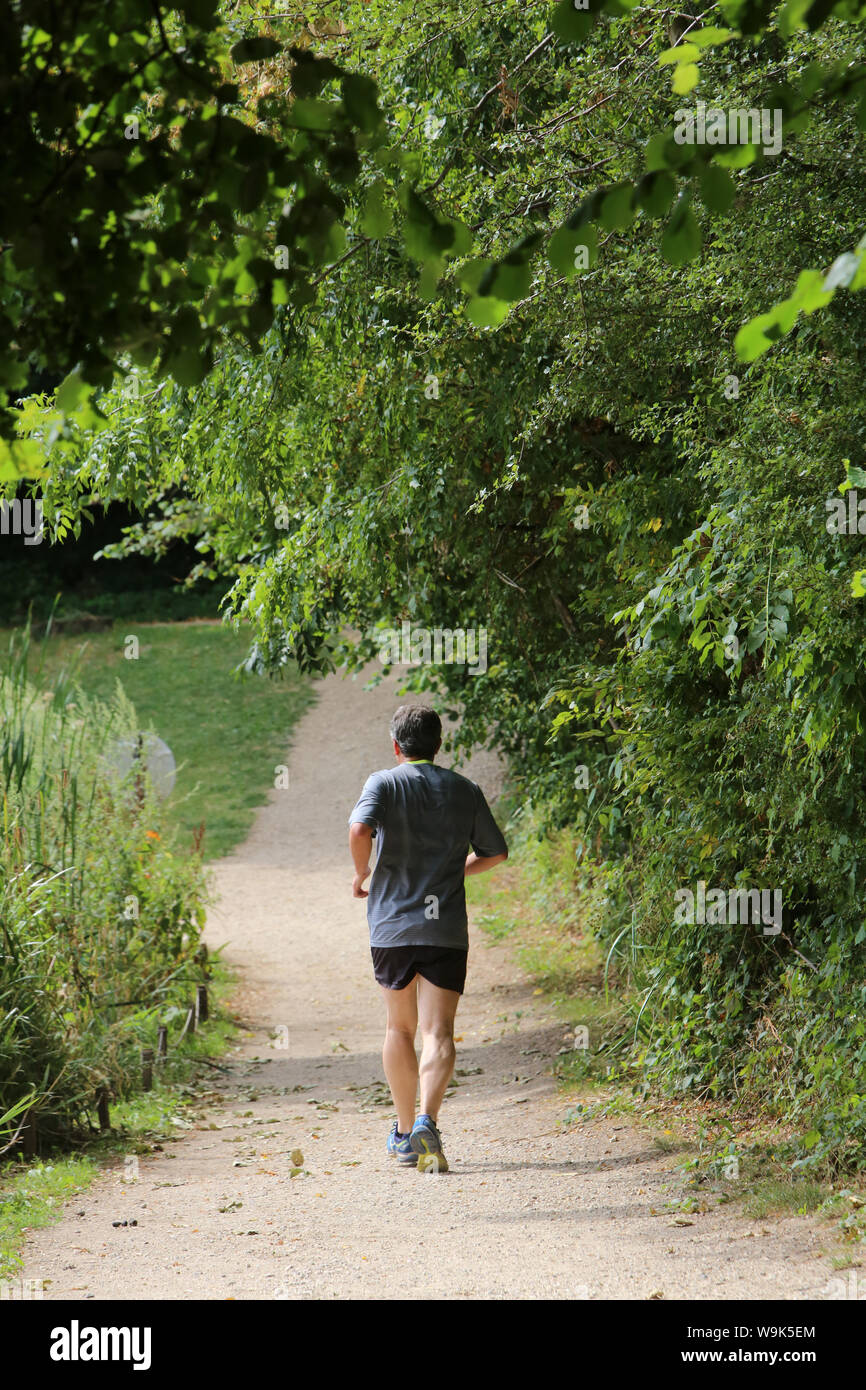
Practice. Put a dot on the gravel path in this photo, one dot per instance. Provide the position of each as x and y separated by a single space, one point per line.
527 1210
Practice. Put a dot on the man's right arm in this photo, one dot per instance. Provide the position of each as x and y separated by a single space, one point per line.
360 848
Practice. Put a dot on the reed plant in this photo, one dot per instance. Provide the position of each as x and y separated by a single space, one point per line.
100 921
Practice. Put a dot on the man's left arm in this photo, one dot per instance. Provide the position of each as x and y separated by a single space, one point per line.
488 847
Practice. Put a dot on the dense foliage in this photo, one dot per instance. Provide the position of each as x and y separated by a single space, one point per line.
635 517
99 921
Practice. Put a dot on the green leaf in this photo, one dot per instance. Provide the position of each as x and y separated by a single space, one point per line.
255 50
377 220
311 114
683 53
571 23
704 38
717 188
509 281
188 367
486 312
663 151
186 332
736 156
571 252
360 98
655 192
793 16
21 458
428 281
309 73
199 12
809 292
71 392
470 275
681 241
686 76
617 208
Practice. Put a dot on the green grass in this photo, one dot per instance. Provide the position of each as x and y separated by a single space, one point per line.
33 1196
530 904
227 733
780 1196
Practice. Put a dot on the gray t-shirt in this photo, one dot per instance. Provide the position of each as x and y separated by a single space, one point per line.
424 818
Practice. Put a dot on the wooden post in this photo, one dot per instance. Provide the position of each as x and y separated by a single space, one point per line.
102 1108
189 1025
201 1004
162 1042
147 1068
28 1135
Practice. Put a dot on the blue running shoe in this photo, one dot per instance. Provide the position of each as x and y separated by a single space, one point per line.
426 1141
400 1148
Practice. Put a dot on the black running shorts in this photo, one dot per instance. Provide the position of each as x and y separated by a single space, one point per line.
395 967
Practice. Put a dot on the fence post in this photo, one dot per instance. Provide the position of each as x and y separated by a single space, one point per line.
147 1068
102 1108
189 1025
201 1004
28 1135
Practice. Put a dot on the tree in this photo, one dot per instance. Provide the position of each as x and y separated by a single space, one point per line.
636 518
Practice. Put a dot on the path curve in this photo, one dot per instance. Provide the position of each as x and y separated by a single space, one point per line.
528 1210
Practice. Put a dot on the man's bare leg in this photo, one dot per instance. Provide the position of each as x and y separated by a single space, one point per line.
436 1010
398 1053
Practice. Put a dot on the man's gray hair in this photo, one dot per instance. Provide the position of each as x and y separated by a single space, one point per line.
416 730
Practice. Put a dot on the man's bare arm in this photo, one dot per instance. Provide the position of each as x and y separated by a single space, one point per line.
476 864
361 847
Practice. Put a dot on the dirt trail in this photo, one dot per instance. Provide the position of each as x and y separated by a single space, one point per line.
527 1210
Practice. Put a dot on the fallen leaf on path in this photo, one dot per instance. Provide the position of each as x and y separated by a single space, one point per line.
297 1158
681 1221
657 1293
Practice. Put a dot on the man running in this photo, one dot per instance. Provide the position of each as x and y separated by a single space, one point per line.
425 819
